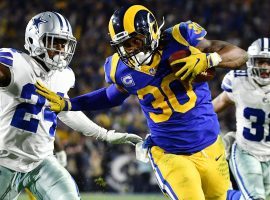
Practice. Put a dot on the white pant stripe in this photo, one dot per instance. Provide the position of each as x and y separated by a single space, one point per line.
163 184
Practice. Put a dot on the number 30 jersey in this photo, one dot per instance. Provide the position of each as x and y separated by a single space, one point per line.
181 120
27 127
252 112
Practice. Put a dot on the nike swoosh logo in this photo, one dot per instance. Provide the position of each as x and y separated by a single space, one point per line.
217 158
198 60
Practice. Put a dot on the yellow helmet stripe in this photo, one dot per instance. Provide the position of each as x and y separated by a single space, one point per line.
178 36
115 60
129 17
111 29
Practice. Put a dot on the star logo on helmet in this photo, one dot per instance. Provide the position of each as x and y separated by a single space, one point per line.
38 21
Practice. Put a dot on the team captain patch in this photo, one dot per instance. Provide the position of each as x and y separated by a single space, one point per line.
127 80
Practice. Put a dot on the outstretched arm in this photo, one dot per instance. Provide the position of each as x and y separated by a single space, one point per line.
100 99
96 100
80 122
221 102
207 54
231 55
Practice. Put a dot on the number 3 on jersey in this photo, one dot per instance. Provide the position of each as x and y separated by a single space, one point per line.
24 109
166 100
257 125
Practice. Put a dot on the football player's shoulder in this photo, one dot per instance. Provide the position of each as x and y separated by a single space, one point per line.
68 75
240 75
9 56
186 33
228 81
233 78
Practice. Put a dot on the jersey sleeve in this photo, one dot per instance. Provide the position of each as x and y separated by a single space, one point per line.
188 33
11 59
227 84
6 57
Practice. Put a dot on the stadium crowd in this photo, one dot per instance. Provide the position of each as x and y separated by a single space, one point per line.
97 166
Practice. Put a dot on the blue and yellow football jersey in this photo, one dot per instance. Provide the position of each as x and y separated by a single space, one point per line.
181 120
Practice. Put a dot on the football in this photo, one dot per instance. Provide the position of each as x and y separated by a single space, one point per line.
207 75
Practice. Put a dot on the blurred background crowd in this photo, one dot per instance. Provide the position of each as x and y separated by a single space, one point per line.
98 166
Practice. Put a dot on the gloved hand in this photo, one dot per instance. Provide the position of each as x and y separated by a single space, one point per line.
121 138
195 64
57 103
61 156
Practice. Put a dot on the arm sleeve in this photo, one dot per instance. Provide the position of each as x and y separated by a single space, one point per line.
81 123
100 99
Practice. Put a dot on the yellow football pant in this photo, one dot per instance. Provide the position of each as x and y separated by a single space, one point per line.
200 176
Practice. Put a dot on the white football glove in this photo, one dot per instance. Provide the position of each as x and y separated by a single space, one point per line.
61 156
121 138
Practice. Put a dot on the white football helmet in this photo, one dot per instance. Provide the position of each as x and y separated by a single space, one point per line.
259 52
44 33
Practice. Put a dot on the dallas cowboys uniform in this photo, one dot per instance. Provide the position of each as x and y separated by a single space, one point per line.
27 130
250 155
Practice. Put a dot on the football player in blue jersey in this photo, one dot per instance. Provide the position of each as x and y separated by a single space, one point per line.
27 126
184 147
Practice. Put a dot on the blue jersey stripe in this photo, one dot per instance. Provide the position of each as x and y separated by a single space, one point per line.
6 54
226 88
6 61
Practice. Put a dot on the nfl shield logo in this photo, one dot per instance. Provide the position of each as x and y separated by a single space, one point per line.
127 80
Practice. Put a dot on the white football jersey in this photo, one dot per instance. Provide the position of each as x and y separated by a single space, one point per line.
252 113
27 127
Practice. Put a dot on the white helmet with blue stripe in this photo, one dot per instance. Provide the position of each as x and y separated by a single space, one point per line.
44 33
258 63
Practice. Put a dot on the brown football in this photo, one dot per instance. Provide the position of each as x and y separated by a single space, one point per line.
207 75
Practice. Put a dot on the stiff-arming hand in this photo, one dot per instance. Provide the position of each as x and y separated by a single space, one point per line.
57 103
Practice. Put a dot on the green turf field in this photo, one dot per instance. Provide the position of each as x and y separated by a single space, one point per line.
113 197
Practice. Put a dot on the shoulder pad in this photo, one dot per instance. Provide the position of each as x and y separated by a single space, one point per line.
227 82
188 33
